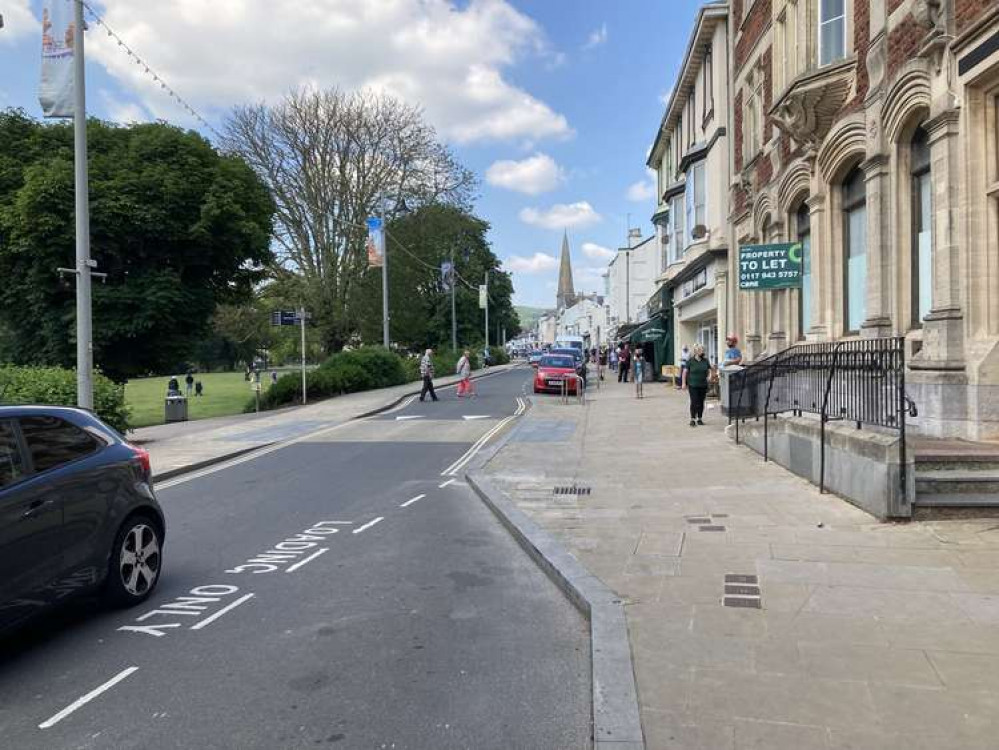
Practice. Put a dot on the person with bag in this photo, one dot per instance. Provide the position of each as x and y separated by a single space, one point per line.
695 382
464 371
427 373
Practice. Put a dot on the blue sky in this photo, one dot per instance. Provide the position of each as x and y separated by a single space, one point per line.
553 103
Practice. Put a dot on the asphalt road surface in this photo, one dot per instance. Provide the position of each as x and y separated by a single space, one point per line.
346 590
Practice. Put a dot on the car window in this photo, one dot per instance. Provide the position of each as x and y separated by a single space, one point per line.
556 362
53 442
11 466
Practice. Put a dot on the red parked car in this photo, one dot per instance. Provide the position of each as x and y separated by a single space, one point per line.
552 370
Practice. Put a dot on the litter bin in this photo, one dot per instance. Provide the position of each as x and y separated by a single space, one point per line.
725 387
176 409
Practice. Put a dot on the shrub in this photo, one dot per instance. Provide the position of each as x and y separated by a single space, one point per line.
499 355
56 386
382 367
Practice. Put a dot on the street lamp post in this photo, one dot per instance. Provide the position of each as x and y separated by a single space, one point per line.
454 318
84 330
385 289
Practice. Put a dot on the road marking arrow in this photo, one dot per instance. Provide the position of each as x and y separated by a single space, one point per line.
475 416
412 416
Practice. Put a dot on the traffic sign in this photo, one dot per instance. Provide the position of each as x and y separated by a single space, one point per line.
284 318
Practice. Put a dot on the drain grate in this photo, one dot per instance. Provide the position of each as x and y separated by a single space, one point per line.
573 490
711 528
742 590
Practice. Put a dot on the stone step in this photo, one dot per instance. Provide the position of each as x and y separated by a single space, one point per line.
957 487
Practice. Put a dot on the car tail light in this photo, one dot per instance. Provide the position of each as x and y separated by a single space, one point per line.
142 457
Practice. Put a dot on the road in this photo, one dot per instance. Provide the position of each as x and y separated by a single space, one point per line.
340 591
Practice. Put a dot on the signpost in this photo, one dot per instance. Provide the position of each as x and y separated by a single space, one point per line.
766 267
291 318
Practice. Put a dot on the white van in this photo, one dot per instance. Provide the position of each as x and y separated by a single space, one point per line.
571 342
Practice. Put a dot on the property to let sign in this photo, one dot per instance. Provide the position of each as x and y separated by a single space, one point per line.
763 267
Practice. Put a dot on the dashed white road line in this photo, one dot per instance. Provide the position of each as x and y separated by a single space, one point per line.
209 620
449 481
305 561
368 525
412 500
85 699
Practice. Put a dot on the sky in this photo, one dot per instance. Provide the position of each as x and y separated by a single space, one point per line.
552 103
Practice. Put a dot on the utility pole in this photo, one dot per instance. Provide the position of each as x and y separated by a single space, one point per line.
487 311
454 320
385 289
84 330
301 318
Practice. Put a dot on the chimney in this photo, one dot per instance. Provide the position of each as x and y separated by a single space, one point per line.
634 237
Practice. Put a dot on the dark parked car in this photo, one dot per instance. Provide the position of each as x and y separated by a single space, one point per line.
77 512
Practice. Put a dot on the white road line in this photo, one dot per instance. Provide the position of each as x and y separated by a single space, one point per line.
412 500
470 453
474 416
407 417
83 700
449 481
217 615
368 525
310 558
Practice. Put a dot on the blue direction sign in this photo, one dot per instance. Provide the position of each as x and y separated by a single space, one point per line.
284 318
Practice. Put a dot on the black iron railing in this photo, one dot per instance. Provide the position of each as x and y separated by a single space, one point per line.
861 381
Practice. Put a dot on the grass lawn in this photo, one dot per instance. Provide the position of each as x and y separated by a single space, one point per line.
225 393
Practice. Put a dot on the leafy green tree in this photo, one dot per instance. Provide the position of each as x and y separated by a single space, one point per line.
419 299
178 227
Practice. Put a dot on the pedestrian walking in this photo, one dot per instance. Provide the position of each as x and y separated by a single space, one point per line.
198 389
624 365
189 380
612 360
639 373
464 371
695 382
684 359
427 373
273 377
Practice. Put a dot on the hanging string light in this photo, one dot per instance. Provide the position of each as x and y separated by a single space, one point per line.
132 55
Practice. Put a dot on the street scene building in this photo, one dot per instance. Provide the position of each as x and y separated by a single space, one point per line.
691 158
866 132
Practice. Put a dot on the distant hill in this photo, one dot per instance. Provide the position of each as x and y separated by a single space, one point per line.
529 316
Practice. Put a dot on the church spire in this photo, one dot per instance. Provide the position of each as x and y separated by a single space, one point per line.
566 296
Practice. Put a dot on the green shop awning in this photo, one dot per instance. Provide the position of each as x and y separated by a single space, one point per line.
653 330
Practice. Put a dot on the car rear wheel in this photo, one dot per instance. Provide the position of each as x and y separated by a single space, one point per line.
136 559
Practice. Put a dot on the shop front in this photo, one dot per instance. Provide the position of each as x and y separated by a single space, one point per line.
655 336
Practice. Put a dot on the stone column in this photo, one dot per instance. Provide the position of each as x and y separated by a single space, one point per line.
879 244
943 327
823 276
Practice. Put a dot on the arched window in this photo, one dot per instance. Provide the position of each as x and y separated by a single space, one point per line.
854 249
922 228
803 230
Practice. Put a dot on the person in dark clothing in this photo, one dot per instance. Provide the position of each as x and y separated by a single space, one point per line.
199 389
427 373
173 386
695 382
189 380
625 365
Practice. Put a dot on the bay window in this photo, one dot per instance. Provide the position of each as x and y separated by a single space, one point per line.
695 199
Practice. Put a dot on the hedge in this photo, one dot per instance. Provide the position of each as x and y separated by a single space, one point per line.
56 386
355 370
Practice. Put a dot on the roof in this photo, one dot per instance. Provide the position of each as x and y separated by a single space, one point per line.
708 17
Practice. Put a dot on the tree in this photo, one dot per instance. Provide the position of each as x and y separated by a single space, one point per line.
331 159
178 227
419 300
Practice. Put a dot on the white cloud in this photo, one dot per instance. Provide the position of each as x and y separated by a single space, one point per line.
597 252
448 57
641 191
534 175
596 37
537 263
561 216
121 111
18 21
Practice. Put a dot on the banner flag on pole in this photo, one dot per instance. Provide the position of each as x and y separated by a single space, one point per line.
55 90
483 292
376 241
447 275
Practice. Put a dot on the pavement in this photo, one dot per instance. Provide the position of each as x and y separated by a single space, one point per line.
761 613
178 447
341 589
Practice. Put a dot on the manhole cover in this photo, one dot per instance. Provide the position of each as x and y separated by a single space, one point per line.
572 490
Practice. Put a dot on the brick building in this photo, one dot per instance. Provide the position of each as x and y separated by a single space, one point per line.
868 130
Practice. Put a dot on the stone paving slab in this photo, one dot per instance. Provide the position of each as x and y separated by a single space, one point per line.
868 635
